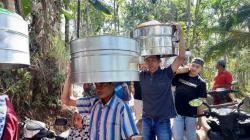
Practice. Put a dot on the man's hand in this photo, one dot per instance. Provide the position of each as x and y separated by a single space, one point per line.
199 124
184 69
182 50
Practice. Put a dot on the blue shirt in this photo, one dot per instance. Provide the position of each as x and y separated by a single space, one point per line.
122 91
157 95
112 121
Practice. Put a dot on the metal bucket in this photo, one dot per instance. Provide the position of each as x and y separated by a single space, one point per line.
14 42
104 59
157 39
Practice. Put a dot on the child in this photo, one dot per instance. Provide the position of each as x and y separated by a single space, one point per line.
80 131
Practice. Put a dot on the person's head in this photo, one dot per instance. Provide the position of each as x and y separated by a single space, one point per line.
104 90
88 88
196 66
221 65
153 62
77 120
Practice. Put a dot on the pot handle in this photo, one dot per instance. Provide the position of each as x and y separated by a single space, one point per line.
175 34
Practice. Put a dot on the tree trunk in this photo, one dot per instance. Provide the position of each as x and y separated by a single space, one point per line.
66 3
117 18
19 8
188 22
195 23
114 22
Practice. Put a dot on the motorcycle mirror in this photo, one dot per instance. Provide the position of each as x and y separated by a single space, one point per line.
61 121
195 102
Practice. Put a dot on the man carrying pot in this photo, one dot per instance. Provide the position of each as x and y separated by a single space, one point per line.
158 104
111 118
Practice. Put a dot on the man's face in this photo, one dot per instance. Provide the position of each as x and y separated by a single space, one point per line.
152 63
195 69
104 90
217 66
77 120
87 86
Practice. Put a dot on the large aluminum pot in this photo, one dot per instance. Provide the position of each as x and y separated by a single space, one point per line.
156 39
104 59
14 41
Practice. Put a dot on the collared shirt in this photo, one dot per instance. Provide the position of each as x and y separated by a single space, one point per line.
112 121
221 78
157 95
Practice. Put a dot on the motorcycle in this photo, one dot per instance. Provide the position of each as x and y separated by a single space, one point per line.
226 121
37 130
222 94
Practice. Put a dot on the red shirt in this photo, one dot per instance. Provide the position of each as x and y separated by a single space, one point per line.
221 78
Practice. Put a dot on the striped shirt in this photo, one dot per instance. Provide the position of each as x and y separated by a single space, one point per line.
112 121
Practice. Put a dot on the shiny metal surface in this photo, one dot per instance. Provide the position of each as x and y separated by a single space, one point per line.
104 59
159 39
153 30
14 42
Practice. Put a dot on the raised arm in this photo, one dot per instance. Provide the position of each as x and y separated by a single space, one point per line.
182 69
182 49
67 90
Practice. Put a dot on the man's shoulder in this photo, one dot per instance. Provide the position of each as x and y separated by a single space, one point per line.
118 101
201 79
82 100
227 72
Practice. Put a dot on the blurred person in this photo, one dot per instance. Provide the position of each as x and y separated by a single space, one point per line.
222 79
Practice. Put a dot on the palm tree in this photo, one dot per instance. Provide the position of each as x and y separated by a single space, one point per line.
236 28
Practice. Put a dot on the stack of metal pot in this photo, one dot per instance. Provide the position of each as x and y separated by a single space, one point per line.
104 59
14 41
156 38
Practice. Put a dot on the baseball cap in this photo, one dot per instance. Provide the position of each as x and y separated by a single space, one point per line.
221 63
199 61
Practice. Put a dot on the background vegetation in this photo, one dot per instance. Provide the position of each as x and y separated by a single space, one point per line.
214 29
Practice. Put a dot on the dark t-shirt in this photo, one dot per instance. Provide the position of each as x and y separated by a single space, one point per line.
188 88
137 87
157 95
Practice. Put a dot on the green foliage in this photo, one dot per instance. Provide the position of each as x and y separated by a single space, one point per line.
68 14
101 7
26 7
235 41
218 28
59 52
242 15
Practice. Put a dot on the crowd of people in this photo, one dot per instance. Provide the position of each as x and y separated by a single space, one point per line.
160 94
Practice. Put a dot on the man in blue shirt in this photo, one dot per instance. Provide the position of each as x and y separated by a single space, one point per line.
158 104
110 117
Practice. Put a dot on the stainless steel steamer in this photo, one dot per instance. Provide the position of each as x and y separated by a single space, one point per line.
104 59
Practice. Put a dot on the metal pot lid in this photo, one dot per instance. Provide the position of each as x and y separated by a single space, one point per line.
100 42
